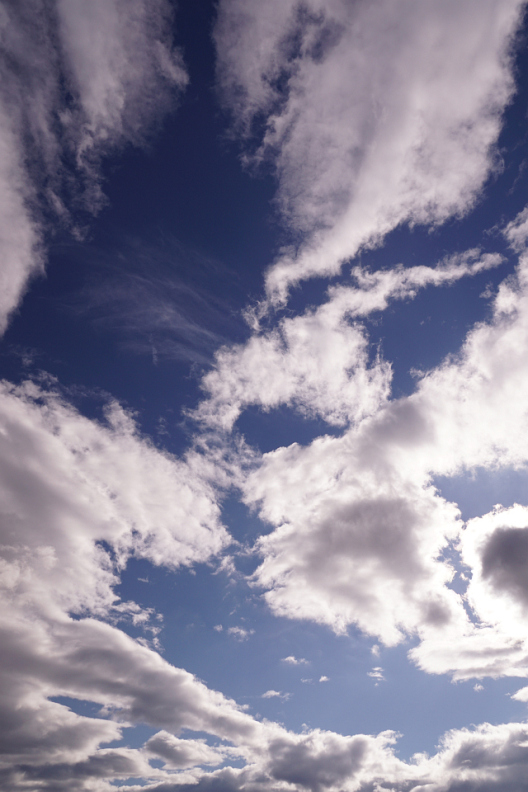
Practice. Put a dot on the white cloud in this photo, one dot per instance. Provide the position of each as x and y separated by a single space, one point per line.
521 695
377 674
240 633
324 678
292 660
495 547
490 758
318 363
276 694
373 114
359 530
375 290
516 232
78 499
79 80
354 542
69 484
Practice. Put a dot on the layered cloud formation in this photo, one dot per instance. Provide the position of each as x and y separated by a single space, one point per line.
372 114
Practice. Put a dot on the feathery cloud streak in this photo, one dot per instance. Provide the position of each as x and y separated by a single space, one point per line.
79 80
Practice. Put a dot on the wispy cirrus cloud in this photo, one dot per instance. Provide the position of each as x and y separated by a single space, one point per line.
79 81
159 298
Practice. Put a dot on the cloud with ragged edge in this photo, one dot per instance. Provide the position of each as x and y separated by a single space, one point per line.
359 529
372 114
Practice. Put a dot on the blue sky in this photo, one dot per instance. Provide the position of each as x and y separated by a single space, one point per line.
263 423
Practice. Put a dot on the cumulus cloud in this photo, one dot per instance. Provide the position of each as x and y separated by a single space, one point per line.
490 758
179 754
486 759
354 542
372 114
292 660
79 80
320 363
70 484
361 535
80 497
493 547
317 363
521 695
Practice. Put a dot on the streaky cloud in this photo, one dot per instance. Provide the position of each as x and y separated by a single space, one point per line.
79 81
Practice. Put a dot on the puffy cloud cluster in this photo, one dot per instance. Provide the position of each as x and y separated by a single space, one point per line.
319 363
493 548
373 114
489 758
70 485
78 80
353 543
78 498
360 535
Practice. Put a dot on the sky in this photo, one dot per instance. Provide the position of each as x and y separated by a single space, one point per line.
264 395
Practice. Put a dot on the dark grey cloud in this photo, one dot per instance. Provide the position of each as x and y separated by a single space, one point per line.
308 765
505 561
